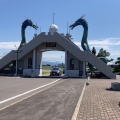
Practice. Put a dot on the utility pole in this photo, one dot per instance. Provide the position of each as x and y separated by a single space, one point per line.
53 17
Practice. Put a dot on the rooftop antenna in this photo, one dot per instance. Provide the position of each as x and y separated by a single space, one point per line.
67 27
53 17
69 31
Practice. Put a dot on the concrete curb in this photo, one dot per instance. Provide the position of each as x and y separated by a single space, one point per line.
75 114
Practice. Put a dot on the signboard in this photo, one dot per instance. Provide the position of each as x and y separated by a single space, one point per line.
50 44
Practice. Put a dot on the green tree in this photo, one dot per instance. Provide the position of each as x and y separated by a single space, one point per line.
117 67
104 53
93 51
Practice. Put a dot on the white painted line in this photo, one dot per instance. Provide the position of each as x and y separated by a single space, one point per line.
75 114
29 96
27 92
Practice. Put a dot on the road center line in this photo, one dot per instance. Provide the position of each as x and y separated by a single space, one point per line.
75 114
27 92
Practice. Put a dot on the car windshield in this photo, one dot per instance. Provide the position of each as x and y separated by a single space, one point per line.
55 68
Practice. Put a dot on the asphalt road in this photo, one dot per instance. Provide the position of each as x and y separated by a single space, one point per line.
54 103
12 86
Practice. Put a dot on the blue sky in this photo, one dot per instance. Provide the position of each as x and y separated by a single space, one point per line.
103 19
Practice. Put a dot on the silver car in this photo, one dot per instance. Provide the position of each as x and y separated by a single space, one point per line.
56 71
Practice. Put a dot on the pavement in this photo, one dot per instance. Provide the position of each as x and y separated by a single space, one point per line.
54 103
14 86
99 102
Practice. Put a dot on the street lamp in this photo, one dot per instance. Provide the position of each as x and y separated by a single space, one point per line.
17 52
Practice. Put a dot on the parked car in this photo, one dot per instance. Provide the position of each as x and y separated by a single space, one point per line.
56 71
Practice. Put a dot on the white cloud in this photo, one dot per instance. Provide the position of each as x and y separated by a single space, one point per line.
112 45
9 45
105 42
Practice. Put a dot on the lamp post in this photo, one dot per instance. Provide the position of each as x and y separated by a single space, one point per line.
17 52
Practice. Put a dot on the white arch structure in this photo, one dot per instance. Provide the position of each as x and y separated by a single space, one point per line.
55 41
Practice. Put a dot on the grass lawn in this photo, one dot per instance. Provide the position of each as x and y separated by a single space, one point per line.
45 73
46 67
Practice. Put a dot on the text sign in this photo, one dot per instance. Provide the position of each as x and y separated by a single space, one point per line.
50 44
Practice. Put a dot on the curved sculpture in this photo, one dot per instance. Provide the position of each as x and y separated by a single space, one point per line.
84 42
26 23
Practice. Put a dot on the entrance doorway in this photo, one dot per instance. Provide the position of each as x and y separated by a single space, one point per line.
52 60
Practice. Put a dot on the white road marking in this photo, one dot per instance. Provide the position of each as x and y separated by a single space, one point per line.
27 92
75 114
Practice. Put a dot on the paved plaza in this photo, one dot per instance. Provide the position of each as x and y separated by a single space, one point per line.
99 102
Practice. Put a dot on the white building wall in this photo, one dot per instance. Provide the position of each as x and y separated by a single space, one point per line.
73 73
31 73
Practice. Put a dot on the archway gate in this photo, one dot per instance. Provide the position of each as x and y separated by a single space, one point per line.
75 59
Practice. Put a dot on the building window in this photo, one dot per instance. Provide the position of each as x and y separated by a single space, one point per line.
30 63
71 63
